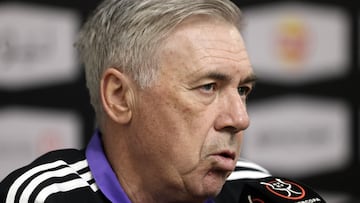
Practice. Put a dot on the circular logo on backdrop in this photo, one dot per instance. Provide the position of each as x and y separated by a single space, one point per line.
285 189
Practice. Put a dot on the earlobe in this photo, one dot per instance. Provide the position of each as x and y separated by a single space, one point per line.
114 89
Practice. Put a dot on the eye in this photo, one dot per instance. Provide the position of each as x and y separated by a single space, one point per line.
208 88
244 90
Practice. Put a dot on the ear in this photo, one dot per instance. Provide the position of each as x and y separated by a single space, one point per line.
115 89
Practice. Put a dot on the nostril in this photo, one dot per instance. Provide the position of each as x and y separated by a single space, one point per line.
231 129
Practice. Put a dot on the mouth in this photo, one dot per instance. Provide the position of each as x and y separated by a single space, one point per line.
227 155
224 160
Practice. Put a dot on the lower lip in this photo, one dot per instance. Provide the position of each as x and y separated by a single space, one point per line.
224 163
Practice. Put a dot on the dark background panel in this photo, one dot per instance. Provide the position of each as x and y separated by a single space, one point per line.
74 96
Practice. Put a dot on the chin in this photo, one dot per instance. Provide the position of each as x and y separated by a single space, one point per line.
213 184
212 192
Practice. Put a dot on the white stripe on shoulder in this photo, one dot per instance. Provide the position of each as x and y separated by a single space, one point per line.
21 179
248 164
94 187
88 176
247 175
60 187
70 169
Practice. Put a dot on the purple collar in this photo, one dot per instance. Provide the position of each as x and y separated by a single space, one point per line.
103 174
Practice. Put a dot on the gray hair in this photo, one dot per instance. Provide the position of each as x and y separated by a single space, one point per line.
126 34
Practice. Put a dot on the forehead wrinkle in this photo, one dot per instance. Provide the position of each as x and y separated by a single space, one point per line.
207 52
220 45
237 60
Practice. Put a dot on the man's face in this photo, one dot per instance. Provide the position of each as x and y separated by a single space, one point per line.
191 120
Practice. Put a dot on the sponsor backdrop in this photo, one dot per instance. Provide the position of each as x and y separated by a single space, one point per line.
304 112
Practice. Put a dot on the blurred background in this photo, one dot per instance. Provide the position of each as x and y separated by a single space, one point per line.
304 110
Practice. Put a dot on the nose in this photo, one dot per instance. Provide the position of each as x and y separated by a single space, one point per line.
232 116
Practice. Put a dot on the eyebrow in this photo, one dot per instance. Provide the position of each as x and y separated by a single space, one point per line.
252 78
218 76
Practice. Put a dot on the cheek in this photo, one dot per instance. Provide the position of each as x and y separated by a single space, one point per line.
177 128
164 122
185 131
